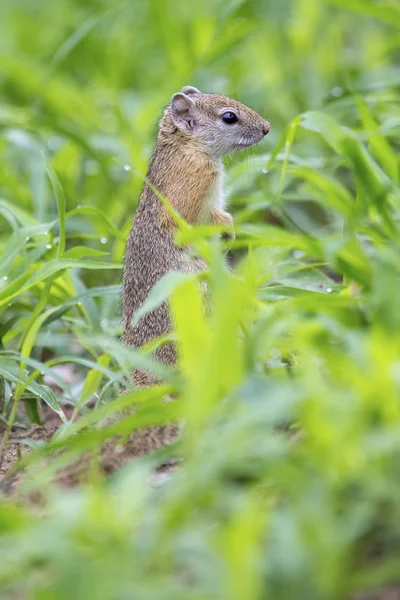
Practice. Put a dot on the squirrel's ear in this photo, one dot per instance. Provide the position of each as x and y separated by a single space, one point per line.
182 110
189 90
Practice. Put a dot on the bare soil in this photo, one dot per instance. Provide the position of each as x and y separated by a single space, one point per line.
111 458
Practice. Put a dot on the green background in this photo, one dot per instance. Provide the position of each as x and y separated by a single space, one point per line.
290 390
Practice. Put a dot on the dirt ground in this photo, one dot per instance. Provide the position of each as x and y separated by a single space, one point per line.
16 448
112 456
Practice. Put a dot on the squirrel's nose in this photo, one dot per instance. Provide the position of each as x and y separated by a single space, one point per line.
266 127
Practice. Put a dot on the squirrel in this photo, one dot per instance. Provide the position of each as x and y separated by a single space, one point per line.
195 131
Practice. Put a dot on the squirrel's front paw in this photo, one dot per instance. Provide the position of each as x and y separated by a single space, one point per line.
221 217
229 236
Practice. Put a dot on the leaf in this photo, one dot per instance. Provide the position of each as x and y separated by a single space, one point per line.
11 372
371 180
27 281
333 194
378 144
92 381
79 252
291 132
193 341
385 298
97 214
60 198
379 10
17 241
23 216
32 410
267 235
160 292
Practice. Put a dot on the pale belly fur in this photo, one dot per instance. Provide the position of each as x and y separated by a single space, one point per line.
215 199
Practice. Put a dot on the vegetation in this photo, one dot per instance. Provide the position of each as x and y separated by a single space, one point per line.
290 391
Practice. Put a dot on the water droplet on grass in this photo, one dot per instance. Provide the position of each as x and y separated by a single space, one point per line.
54 142
103 240
337 92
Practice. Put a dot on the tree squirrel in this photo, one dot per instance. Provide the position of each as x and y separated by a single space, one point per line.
195 131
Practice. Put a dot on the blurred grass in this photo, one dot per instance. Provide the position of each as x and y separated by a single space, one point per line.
290 390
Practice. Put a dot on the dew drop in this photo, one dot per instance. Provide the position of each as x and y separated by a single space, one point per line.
265 171
48 246
329 290
127 168
27 238
54 143
5 277
298 254
103 240
337 92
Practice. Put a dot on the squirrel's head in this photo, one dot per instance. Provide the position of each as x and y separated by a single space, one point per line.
217 123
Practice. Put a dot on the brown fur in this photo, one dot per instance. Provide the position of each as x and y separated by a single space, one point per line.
220 217
191 175
185 169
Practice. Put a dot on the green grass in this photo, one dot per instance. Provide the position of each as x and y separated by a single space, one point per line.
290 390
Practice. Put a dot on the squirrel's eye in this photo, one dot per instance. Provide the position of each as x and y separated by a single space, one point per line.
229 117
